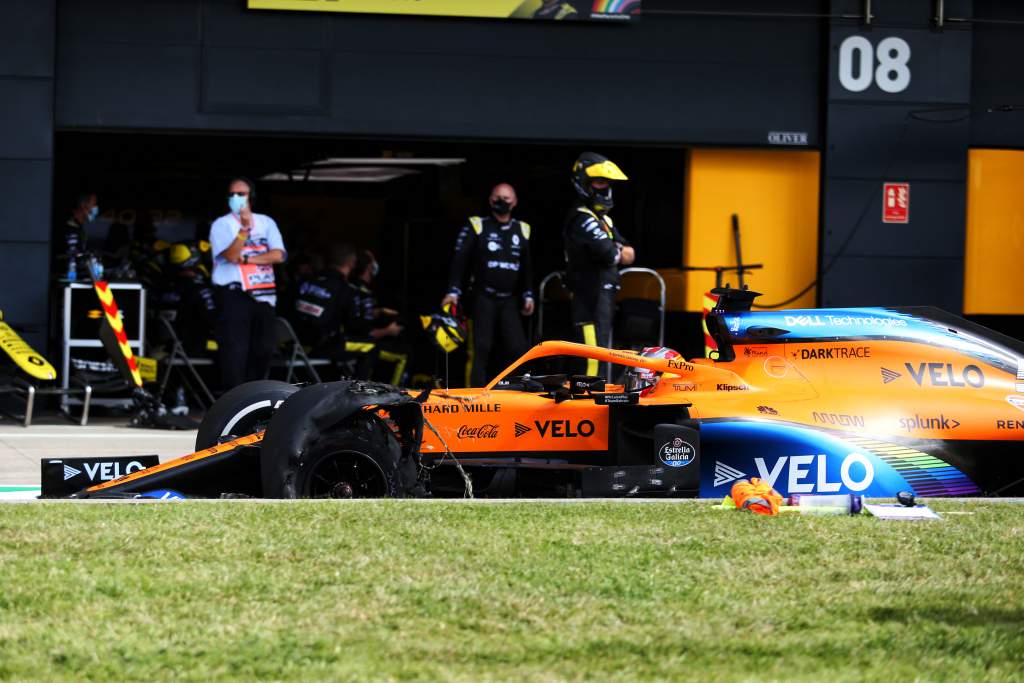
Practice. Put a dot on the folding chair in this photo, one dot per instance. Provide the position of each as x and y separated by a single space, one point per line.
178 358
294 353
640 309
554 304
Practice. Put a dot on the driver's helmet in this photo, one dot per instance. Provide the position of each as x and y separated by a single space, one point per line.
643 379
446 329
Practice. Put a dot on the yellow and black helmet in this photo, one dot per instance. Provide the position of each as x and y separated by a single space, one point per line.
446 329
589 167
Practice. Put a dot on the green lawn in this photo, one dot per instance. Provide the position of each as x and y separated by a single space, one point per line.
537 591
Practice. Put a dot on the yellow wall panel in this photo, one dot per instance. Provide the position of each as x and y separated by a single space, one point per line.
995 231
775 194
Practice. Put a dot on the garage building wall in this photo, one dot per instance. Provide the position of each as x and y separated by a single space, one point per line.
26 162
213 65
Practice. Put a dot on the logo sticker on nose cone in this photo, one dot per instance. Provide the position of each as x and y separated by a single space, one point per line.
676 453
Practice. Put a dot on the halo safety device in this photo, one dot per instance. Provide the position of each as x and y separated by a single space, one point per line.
589 167
446 329
644 379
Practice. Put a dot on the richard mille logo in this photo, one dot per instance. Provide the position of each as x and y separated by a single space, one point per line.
521 429
889 376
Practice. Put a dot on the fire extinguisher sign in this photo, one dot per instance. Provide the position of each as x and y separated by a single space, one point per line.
896 202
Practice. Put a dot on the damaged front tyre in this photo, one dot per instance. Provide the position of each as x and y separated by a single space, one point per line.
347 465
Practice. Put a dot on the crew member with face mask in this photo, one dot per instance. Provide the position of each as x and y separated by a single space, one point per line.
85 211
494 252
246 246
594 250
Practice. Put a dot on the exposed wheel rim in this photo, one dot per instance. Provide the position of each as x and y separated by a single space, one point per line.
344 474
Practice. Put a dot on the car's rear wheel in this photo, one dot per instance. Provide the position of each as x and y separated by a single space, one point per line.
246 409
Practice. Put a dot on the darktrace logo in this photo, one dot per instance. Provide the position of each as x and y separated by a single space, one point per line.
917 422
889 375
521 429
488 431
676 453
840 353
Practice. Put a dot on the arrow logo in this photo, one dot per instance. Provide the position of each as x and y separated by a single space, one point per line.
70 472
724 474
521 429
889 376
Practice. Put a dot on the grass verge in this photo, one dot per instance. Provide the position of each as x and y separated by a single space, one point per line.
405 590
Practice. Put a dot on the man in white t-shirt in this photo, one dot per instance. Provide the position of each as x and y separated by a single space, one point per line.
246 246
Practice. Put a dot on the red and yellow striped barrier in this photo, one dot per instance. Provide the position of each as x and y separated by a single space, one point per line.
117 325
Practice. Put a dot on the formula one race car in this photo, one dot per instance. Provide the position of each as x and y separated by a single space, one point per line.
870 401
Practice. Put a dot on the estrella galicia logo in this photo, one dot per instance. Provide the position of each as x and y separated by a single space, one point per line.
521 429
676 453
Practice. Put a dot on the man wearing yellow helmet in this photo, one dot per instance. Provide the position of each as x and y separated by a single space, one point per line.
594 249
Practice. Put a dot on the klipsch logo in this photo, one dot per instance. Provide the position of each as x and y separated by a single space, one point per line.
488 431
676 453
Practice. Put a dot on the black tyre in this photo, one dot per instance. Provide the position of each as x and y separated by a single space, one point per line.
244 410
358 459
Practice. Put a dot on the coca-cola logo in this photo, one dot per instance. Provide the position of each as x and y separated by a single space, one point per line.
488 431
676 453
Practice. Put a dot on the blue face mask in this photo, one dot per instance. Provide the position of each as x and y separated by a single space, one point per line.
237 203
93 213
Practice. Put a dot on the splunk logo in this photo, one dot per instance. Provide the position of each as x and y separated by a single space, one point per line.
937 422
805 473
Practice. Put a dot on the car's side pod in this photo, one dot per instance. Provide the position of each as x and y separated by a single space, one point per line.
318 410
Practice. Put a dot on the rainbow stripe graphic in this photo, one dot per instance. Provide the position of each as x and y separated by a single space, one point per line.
615 6
928 475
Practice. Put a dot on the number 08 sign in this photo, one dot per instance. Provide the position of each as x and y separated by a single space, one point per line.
862 64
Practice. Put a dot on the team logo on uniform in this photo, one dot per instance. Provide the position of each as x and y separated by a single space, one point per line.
493 246
515 240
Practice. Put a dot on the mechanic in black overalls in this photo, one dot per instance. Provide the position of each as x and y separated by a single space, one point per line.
325 316
594 251
494 251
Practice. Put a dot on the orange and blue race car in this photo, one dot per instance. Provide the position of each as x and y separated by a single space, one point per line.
870 401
